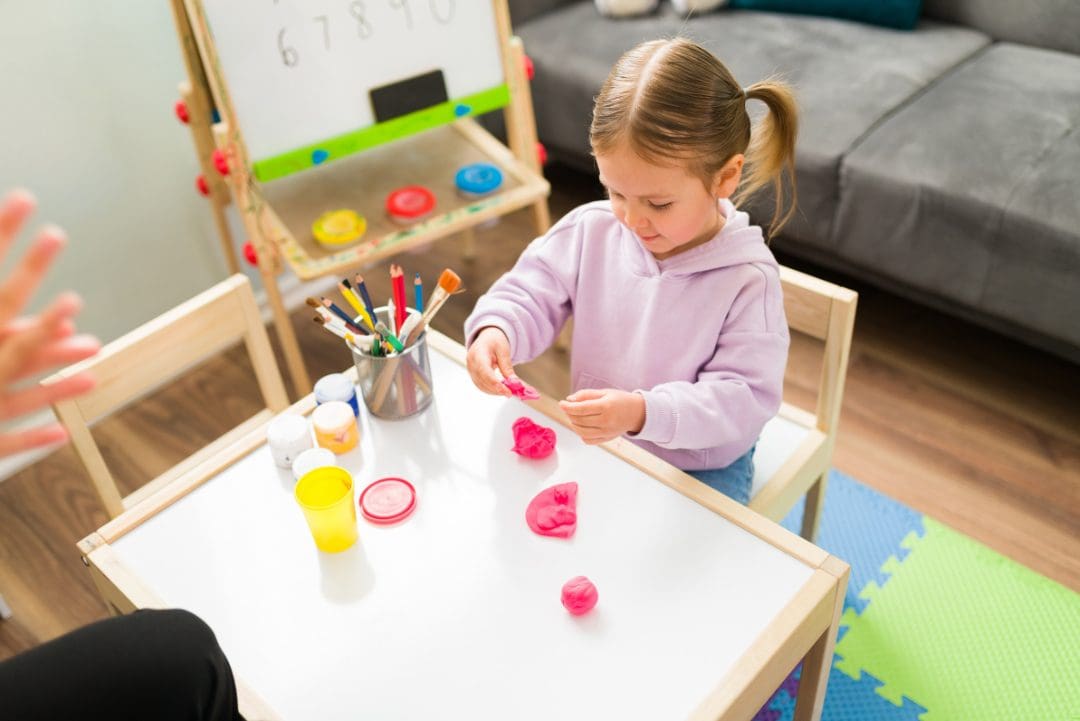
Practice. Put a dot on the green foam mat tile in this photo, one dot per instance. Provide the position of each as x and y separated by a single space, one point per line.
967 634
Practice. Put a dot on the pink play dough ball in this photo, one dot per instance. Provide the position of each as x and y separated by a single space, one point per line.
579 595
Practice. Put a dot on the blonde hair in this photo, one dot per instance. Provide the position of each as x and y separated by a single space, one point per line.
673 99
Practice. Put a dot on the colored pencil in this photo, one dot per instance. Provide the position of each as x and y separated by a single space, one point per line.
389 337
367 298
418 294
350 297
397 280
336 310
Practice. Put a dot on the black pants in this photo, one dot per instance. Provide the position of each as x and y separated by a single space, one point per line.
152 665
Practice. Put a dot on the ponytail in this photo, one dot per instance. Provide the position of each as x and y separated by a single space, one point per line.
771 154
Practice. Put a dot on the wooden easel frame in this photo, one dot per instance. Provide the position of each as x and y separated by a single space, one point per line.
804 630
274 241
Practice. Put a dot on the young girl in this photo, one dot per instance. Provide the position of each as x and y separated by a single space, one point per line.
679 335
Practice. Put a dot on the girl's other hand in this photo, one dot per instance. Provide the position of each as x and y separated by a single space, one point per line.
490 352
599 415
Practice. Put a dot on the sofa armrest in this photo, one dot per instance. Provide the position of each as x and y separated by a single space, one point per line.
522 10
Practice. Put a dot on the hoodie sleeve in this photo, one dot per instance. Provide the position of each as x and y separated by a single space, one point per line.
532 301
737 391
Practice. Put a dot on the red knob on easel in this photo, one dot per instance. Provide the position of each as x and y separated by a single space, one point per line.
530 68
249 254
181 112
221 162
201 184
541 153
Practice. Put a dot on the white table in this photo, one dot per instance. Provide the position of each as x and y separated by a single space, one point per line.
455 612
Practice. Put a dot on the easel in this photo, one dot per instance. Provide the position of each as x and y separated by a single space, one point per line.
277 217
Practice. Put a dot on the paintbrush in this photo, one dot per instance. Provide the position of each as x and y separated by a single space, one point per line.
326 307
449 282
337 330
335 326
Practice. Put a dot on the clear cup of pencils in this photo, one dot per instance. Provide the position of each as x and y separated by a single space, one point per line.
395 384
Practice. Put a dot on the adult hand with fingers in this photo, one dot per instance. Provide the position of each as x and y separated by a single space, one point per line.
490 352
599 415
32 344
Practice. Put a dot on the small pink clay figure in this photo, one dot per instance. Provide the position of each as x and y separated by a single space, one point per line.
532 440
520 389
579 595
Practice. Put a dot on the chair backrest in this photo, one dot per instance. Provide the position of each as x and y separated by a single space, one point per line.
824 311
157 351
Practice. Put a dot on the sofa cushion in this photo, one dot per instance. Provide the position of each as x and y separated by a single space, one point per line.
848 77
1051 24
521 11
969 192
899 14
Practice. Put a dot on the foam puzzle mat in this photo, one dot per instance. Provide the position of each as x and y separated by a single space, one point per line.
936 626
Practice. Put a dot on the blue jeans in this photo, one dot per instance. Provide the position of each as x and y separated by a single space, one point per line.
733 481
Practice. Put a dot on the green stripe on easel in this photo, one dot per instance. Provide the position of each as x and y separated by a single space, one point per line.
301 159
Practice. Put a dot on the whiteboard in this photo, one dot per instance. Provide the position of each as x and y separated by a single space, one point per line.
455 612
299 71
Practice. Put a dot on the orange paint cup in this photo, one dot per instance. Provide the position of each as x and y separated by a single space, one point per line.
335 426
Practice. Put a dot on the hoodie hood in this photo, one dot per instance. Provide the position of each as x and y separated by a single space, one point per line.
737 243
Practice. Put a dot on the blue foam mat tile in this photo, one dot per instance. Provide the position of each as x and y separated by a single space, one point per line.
850 700
863 527
845 700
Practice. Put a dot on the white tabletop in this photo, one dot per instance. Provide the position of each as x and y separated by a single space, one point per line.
455 612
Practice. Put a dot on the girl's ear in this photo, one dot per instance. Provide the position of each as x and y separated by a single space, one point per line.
727 178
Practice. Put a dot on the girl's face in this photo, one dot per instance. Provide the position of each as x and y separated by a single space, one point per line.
666 207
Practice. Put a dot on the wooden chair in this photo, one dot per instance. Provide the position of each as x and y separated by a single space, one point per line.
795 450
148 356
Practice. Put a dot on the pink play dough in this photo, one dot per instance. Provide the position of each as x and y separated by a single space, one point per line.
520 389
532 440
579 595
553 512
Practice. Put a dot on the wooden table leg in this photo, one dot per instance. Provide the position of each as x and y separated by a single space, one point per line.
818 661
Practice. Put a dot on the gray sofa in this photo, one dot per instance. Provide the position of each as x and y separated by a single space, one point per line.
941 163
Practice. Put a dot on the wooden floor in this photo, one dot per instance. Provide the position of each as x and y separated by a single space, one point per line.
978 431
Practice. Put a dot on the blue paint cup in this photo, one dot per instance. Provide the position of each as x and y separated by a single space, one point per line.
337 387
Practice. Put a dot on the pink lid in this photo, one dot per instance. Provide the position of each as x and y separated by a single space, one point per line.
388 500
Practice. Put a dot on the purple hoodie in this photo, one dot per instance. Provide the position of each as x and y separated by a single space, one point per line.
701 335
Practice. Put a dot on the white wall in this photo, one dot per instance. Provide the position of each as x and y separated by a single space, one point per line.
86 123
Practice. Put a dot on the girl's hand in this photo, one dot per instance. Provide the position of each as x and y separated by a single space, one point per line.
490 351
30 345
600 415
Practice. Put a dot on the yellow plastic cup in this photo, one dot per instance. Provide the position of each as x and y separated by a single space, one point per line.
326 497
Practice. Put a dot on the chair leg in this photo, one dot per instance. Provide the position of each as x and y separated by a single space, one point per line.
5 610
468 248
815 499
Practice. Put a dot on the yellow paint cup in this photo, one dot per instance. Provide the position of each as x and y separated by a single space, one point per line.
326 497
